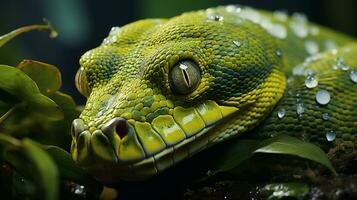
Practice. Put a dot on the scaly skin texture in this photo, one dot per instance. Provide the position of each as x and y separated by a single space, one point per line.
245 58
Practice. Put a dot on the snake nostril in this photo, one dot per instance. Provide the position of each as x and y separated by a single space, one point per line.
121 128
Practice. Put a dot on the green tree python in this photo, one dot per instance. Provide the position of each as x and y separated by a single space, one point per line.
162 90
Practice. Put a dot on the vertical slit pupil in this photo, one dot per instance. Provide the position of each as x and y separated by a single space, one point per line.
186 76
121 128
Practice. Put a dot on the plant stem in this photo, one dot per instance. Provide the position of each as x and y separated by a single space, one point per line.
8 113
9 140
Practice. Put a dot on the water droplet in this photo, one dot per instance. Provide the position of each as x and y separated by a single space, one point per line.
334 51
230 8
325 116
218 18
353 76
300 109
330 135
114 30
112 37
311 82
311 47
278 31
330 44
266 23
281 15
212 16
233 9
345 67
101 112
290 80
251 14
323 97
299 70
281 113
342 64
79 189
237 43
314 30
298 24
278 52
209 173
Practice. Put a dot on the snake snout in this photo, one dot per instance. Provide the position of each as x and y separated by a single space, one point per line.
98 145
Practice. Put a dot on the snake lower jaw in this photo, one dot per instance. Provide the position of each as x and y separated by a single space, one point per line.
122 150
96 152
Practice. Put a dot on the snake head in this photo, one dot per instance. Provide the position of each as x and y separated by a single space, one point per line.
159 91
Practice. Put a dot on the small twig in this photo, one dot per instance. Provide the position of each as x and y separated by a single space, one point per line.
8 113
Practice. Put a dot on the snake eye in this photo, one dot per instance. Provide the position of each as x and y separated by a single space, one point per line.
184 77
82 83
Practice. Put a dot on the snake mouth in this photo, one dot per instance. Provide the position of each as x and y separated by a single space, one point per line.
120 150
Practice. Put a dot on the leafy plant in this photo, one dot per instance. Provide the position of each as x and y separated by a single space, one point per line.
33 110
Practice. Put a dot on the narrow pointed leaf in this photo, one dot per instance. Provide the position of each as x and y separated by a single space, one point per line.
237 152
291 146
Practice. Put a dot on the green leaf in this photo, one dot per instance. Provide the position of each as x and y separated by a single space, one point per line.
232 157
67 104
284 190
291 146
46 169
46 76
31 160
70 171
237 152
18 84
7 37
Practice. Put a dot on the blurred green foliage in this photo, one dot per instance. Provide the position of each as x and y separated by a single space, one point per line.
31 106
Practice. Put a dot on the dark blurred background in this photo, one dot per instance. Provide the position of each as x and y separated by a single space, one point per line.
82 24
